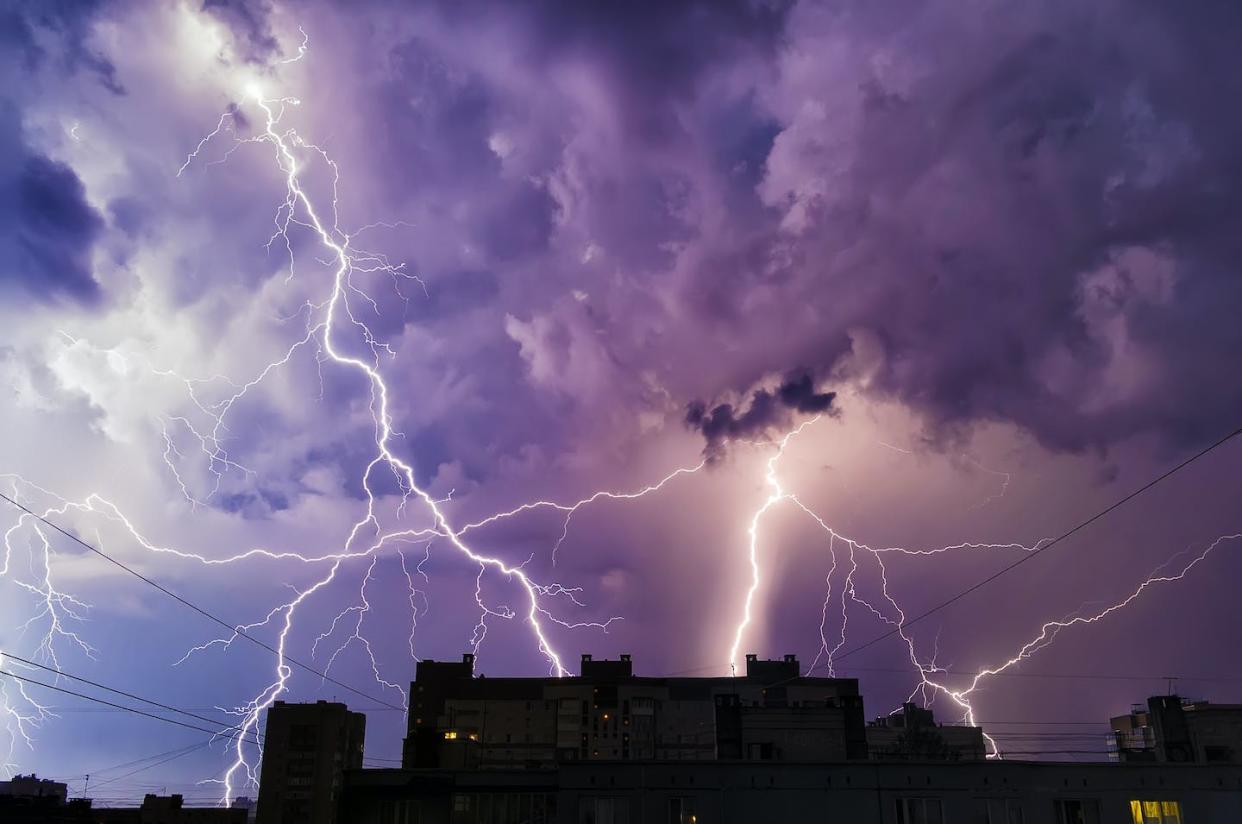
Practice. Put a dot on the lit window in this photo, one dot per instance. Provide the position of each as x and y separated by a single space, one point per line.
1156 812
450 735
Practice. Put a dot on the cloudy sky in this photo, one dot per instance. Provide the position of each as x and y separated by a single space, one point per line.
986 252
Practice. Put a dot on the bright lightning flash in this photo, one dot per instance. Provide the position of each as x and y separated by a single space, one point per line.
931 681
334 329
330 322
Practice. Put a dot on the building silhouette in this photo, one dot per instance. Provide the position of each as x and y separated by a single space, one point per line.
307 748
32 786
606 713
837 792
55 808
912 734
609 747
168 809
1173 729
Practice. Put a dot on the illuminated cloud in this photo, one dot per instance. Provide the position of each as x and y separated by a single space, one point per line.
1006 238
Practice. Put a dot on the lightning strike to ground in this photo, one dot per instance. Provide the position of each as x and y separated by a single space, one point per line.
930 681
332 319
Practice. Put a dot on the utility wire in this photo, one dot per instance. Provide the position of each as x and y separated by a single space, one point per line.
233 628
179 754
111 707
134 710
1067 675
1031 555
1050 675
105 687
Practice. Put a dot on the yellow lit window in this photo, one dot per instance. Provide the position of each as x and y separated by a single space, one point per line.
450 735
1156 812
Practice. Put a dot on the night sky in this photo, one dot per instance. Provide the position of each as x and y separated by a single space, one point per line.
982 256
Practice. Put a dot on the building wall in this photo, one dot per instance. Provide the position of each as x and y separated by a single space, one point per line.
935 743
1216 733
608 714
738 793
1173 730
307 748
31 786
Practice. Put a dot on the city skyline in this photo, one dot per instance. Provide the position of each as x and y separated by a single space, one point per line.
679 330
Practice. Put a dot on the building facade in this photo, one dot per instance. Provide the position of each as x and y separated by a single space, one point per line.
306 749
32 786
912 734
1172 729
724 792
168 809
155 809
606 713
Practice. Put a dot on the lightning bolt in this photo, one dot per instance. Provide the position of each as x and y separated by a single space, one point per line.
329 321
335 326
931 680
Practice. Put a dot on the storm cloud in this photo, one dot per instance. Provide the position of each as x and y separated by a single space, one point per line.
631 234
50 229
764 411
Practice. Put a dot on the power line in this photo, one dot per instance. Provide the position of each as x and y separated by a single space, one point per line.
111 707
58 709
1081 676
134 710
179 754
233 628
1048 723
105 687
1009 753
122 765
1030 555
1051 675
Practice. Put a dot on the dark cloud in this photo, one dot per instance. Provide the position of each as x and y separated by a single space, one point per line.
766 410
652 48
1016 218
49 228
250 23
70 22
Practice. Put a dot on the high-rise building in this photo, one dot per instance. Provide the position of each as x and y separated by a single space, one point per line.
306 749
606 713
1171 728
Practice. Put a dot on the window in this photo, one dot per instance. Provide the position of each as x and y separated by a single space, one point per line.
919 811
1078 811
399 812
501 808
681 811
1000 811
1218 753
1156 812
604 811
758 751
303 736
